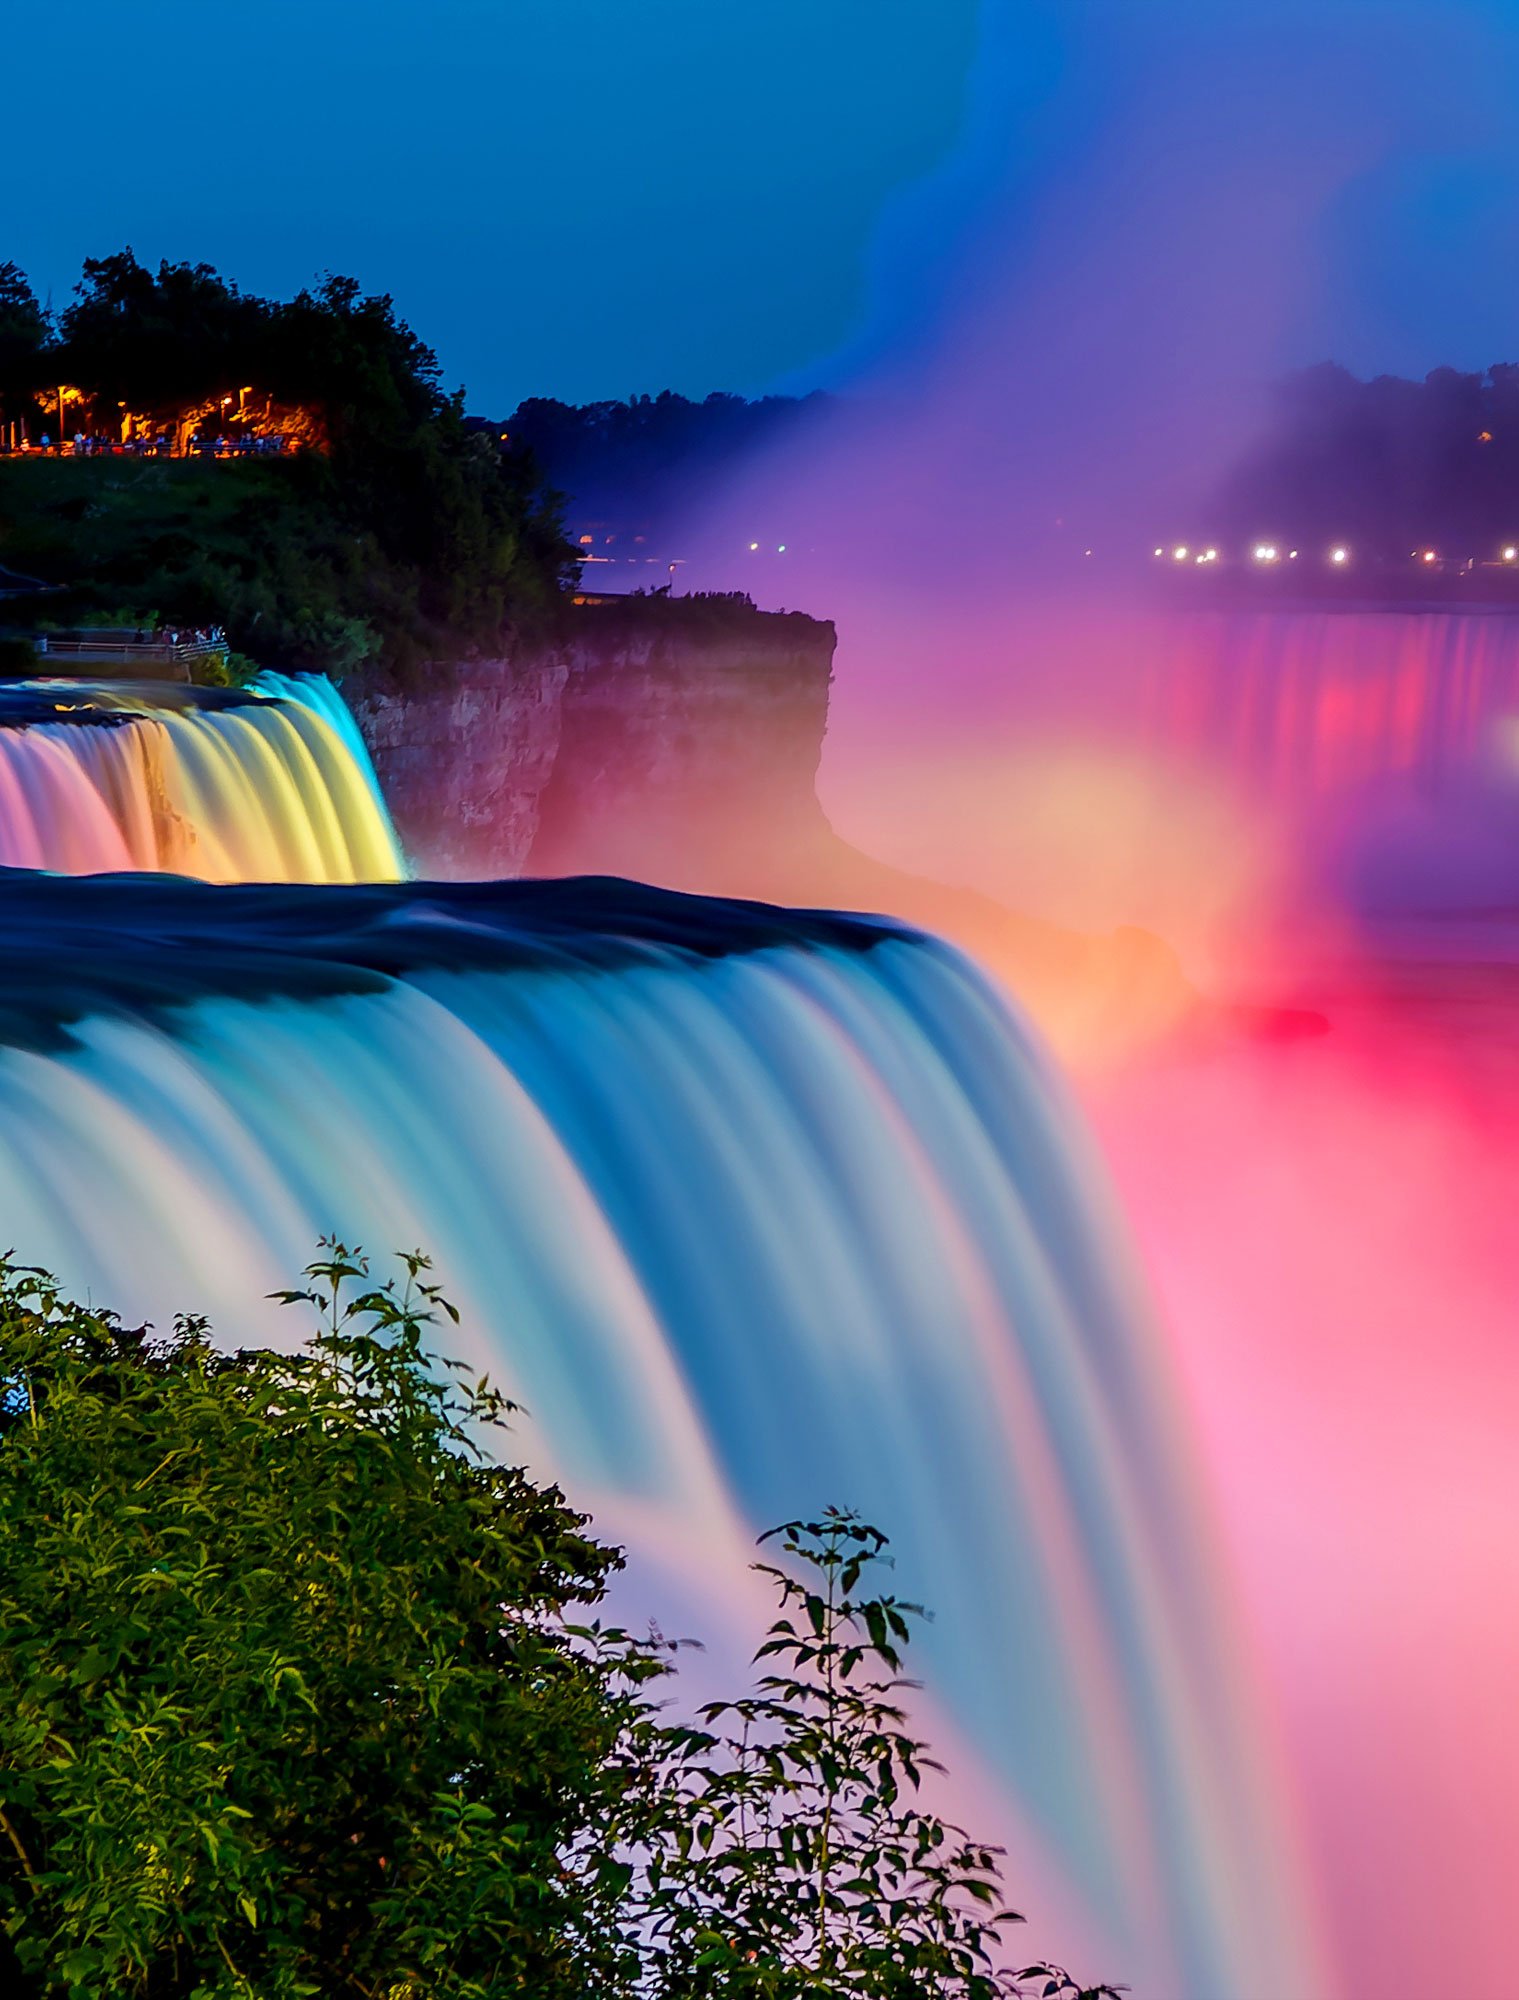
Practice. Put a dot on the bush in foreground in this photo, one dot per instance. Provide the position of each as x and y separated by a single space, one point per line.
301 1693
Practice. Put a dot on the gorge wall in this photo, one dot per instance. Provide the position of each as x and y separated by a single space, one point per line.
657 738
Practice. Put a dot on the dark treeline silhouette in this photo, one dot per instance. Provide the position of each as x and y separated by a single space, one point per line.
384 527
640 463
1385 467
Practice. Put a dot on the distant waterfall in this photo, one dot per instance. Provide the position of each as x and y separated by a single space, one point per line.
753 1211
268 784
1309 702
1383 746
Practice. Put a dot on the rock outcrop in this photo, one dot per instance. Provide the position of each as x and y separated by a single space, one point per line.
645 739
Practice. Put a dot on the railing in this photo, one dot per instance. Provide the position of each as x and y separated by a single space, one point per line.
129 652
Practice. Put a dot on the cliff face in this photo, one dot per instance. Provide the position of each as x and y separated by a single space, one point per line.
651 741
463 760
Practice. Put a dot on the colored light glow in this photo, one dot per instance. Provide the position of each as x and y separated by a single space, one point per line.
1265 552
1180 554
1511 555
1340 556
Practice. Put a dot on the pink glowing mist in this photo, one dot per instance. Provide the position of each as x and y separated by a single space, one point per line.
1300 807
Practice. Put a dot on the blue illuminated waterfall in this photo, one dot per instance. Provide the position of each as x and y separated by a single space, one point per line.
753 1210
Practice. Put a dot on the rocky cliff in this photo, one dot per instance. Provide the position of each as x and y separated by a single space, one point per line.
647 739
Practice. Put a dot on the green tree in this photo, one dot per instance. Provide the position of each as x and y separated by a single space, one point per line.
24 335
159 342
404 531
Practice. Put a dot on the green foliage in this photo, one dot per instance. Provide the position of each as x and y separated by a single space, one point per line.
798 1860
158 341
24 334
289 1699
231 670
299 1696
406 536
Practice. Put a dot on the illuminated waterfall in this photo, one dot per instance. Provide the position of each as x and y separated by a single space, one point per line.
753 1211
1307 702
268 784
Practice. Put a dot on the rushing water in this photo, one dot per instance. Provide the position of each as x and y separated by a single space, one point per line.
754 1211
270 784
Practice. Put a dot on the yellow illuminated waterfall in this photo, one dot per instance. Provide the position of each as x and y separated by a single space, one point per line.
271 783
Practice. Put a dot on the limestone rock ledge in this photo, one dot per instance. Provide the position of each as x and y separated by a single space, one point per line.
640 741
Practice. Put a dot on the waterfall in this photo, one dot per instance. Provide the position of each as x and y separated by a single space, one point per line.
266 784
753 1210
1310 702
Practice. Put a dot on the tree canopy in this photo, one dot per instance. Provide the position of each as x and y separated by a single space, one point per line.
385 530
1384 466
642 462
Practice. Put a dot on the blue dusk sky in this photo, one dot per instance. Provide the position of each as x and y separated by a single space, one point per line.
589 197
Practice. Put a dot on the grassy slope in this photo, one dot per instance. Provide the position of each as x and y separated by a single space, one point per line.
77 521
245 544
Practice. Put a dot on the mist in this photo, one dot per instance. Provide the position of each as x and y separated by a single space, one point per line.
1154 213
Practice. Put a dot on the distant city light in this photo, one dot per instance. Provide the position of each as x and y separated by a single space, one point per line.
1180 553
1430 556
1265 552
1292 555
1339 555
753 546
1511 555
1160 552
780 548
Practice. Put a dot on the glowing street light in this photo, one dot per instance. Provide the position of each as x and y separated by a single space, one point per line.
1339 556
1430 556
1180 553
1265 552
1511 555
752 547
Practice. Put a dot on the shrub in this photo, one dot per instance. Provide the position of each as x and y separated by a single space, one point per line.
301 1694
